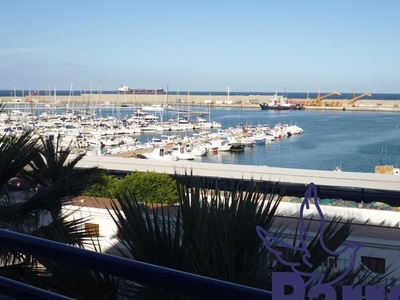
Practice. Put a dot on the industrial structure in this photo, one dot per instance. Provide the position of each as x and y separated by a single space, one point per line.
355 98
318 101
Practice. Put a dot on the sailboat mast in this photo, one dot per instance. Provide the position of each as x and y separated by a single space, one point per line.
209 108
98 97
179 103
188 110
166 99
69 96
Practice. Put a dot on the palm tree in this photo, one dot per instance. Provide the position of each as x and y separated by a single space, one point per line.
211 232
38 162
54 169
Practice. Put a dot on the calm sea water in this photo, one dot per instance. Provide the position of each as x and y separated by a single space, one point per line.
357 141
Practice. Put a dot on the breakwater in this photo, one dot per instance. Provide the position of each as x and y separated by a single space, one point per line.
237 101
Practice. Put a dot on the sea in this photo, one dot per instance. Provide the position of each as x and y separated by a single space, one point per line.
355 141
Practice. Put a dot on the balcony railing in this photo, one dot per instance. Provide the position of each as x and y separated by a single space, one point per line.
142 273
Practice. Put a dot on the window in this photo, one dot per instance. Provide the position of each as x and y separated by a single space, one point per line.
375 264
92 229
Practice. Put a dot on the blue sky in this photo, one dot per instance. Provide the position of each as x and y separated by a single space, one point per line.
341 45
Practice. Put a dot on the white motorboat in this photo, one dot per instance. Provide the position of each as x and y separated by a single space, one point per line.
220 145
182 152
154 107
160 154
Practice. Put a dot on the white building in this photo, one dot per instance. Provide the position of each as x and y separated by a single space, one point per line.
377 230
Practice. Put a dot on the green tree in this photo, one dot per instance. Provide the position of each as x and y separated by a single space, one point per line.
106 189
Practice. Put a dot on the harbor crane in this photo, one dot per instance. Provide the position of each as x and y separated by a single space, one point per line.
28 98
318 101
355 98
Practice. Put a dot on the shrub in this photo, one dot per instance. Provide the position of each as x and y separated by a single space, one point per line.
150 187
147 186
105 190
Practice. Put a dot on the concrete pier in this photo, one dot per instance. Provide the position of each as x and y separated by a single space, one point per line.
245 101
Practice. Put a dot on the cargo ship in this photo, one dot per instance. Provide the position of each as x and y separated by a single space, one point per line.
123 89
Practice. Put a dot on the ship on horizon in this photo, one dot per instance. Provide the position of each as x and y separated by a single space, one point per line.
124 89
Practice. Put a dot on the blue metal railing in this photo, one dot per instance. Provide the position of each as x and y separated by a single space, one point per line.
142 273
19 290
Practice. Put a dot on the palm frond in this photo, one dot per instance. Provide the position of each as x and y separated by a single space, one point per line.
15 153
211 232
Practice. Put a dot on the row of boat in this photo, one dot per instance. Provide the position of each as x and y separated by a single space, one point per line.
190 147
111 135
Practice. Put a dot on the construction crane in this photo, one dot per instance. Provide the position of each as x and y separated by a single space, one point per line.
28 98
355 98
318 101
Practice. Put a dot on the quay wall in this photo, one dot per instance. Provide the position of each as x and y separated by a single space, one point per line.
244 101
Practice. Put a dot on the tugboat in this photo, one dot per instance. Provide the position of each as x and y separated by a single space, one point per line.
280 103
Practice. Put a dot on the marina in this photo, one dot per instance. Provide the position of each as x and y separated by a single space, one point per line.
352 140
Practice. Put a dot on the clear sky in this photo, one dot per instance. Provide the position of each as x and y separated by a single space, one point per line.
263 45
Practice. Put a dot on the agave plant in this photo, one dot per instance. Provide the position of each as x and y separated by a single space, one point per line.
211 232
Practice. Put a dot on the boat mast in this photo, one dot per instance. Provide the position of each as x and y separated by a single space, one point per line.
134 98
99 95
91 108
188 110
69 96
166 99
209 108
179 104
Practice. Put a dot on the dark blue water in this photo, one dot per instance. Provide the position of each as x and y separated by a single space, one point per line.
292 95
357 141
